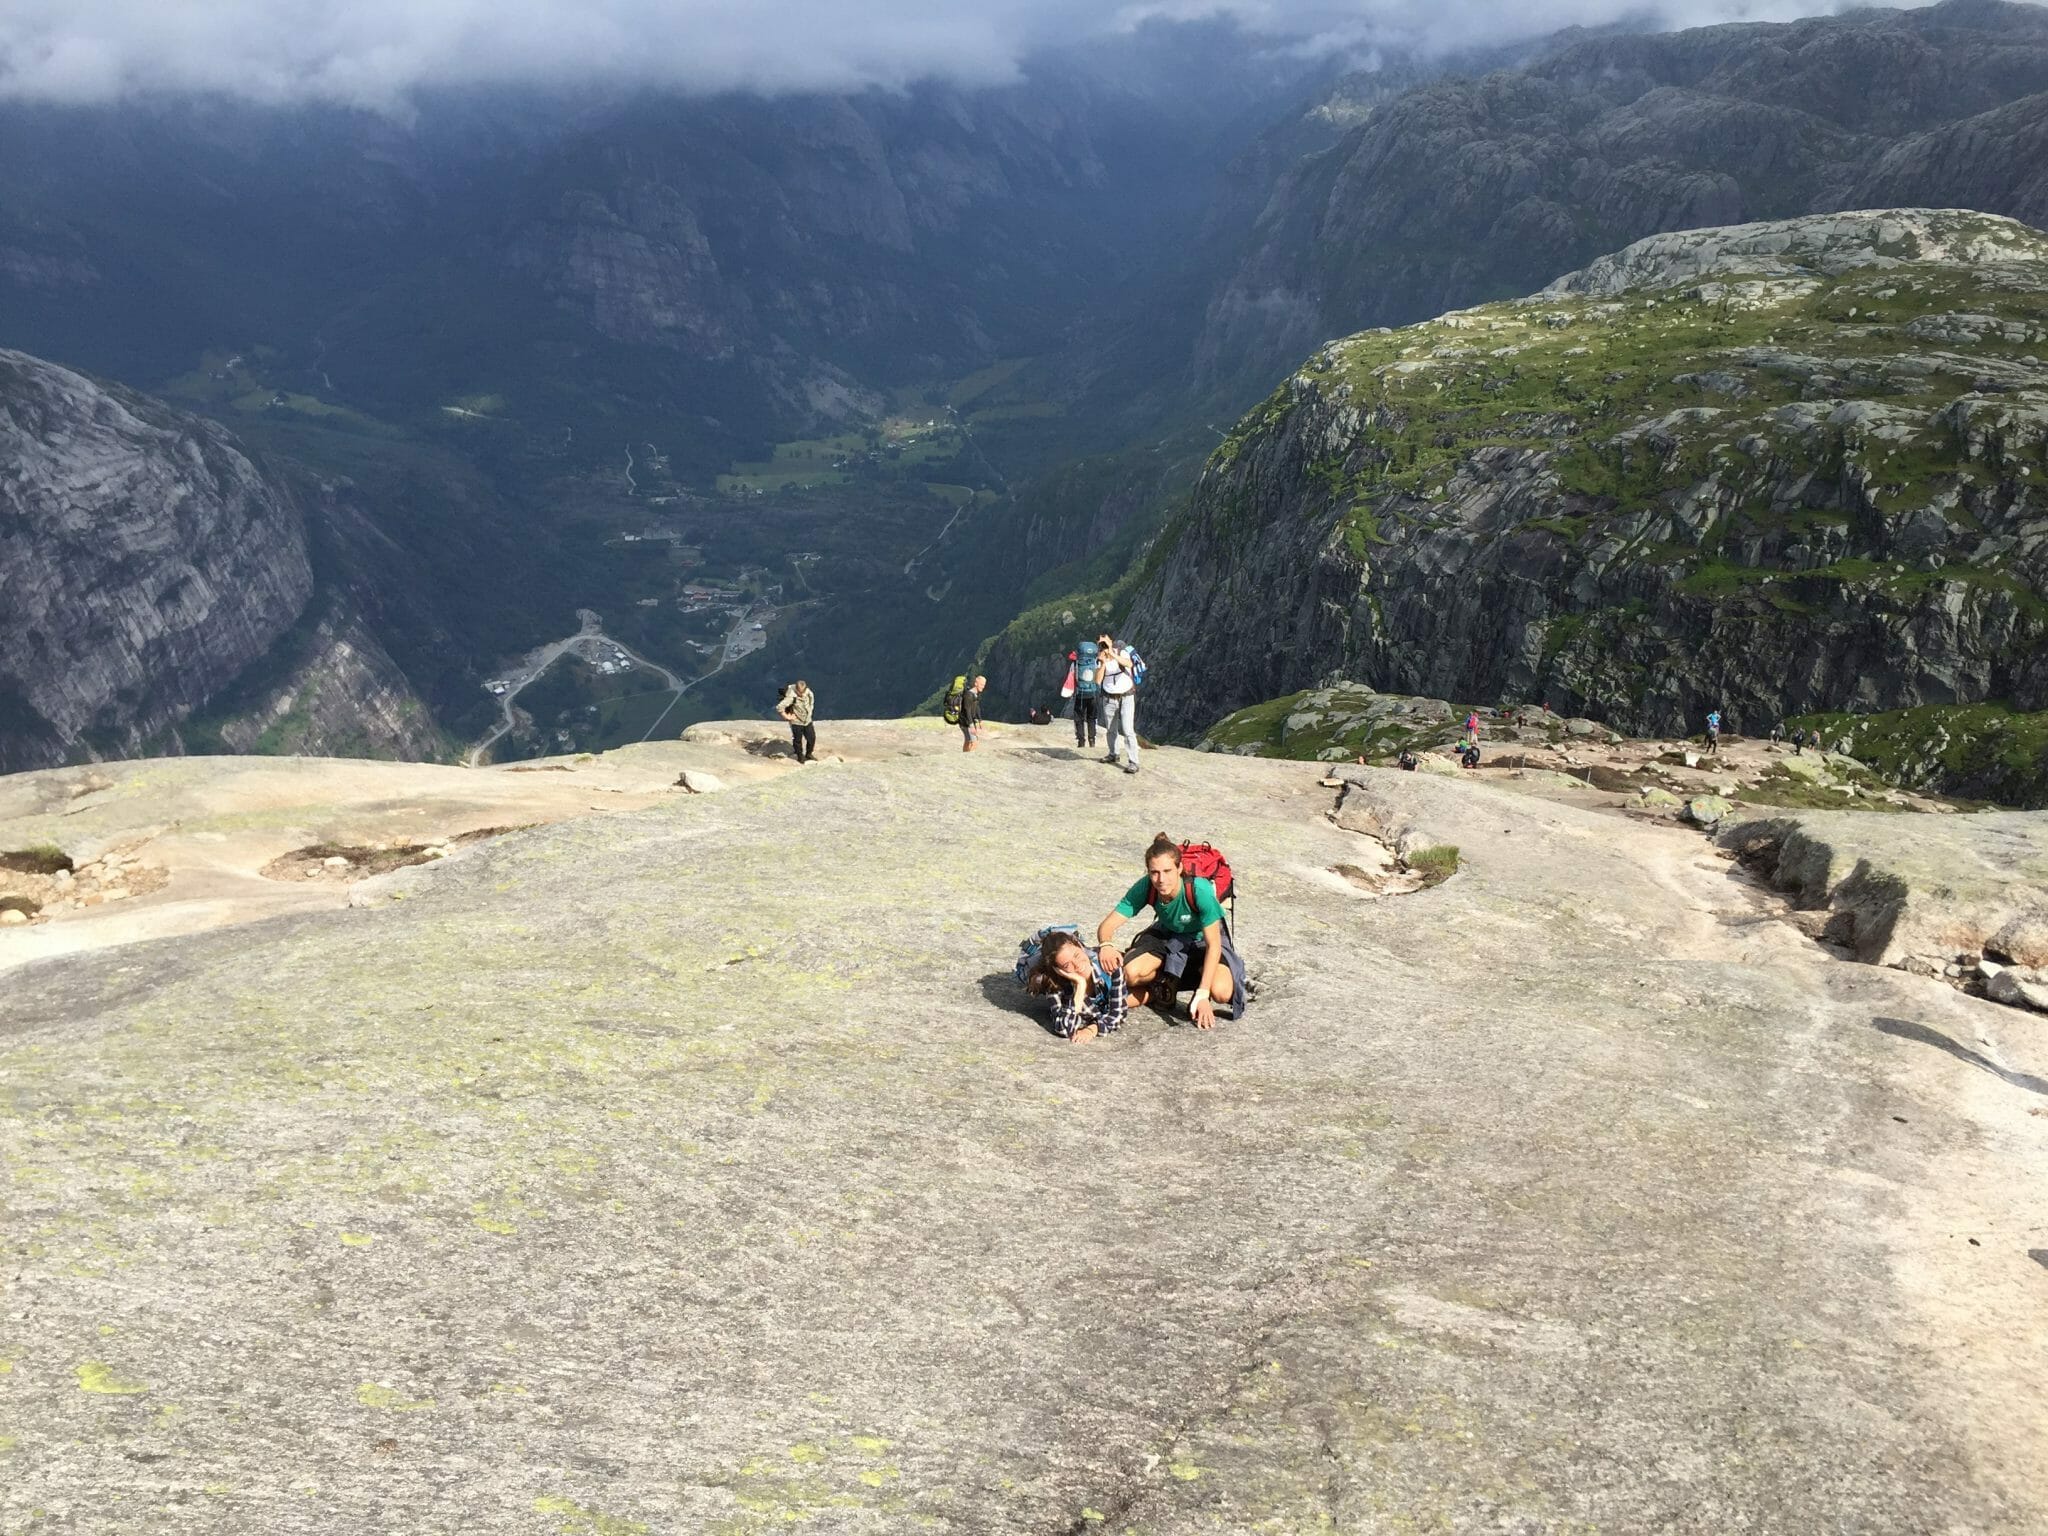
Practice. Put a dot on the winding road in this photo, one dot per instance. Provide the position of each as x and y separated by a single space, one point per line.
538 661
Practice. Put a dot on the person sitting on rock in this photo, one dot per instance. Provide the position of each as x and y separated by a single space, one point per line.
1187 944
1087 998
1408 760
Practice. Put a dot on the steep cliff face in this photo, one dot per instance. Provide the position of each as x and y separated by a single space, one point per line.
1472 189
147 565
1775 469
144 562
327 689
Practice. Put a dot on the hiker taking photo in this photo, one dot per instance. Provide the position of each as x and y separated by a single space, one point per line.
1120 700
799 706
1187 943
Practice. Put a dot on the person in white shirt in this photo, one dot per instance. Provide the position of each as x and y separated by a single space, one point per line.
1120 701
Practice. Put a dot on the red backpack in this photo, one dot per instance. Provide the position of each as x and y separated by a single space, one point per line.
1199 861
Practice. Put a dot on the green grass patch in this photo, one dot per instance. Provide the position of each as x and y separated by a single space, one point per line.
1435 865
975 385
1987 752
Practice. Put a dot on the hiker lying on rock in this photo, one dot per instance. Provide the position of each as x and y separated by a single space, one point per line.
1087 998
1187 944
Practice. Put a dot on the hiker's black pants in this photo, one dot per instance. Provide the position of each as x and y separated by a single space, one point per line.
804 738
1087 715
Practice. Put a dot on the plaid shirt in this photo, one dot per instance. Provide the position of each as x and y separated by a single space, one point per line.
1104 1007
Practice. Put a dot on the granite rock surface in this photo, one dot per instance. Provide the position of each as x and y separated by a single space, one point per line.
700 1169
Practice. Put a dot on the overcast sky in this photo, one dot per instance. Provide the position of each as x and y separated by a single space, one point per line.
374 52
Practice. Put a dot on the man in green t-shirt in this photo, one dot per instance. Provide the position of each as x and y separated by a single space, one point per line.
1187 937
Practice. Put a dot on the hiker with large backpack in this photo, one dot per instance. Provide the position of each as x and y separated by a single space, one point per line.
1120 701
963 708
1084 687
1188 943
1087 998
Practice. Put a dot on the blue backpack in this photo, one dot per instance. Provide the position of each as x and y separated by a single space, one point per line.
1088 670
1138 667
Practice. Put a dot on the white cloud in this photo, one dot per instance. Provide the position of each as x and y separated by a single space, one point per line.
374 52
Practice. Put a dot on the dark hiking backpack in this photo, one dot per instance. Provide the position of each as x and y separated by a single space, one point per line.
956 698
1088 670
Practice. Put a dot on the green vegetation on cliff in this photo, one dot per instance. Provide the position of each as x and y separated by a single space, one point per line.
1986 751
1770 469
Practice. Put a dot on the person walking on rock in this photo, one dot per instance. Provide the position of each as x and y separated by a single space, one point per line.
1085 689
798 705
1120 691
1714 732
1187 944
970 714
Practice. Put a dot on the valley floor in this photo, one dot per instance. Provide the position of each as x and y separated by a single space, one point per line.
695 1165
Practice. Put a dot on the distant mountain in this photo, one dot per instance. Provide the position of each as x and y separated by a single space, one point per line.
1781 469
712 272
149 568
1472 189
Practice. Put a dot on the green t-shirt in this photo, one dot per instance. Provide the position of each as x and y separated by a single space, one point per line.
1194 909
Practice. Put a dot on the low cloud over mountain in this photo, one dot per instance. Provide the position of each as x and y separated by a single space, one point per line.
376 52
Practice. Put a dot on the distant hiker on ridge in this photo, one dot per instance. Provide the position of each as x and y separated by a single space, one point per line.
1714 731
970 714
798 705
1084 687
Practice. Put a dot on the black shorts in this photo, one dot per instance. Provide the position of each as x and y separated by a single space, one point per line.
1182 958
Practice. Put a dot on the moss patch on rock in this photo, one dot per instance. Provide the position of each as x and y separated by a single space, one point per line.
1987 751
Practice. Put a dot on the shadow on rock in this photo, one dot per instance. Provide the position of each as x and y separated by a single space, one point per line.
1002 990
1905 1029
1071 754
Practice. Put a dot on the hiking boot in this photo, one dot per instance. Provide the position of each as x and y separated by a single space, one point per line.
1130 767
1111 759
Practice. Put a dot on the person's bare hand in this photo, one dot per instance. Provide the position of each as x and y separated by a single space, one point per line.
1203 1013
1112 958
